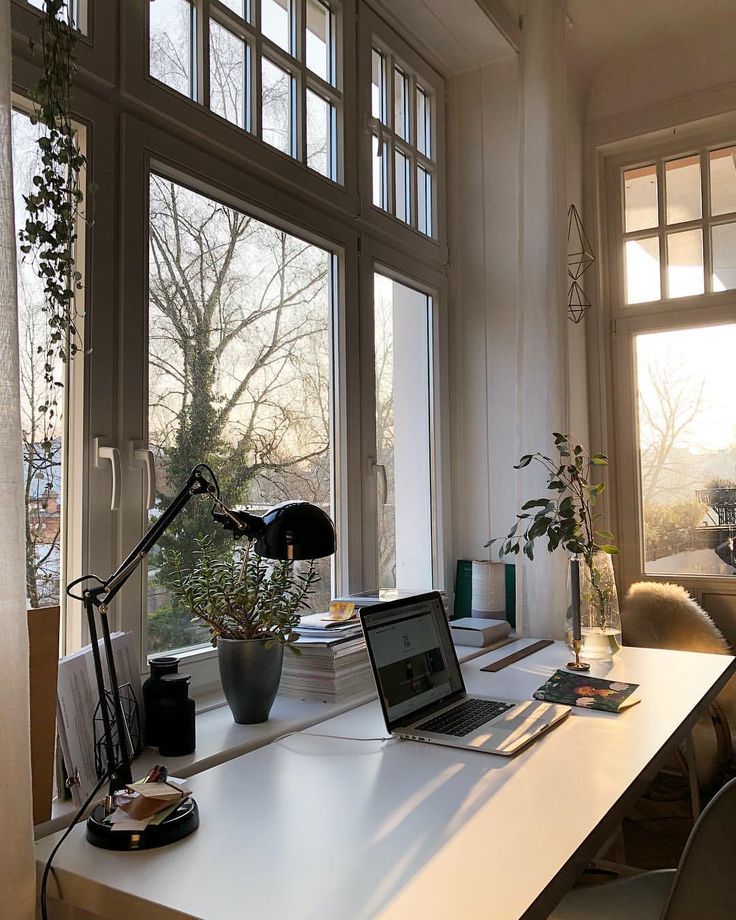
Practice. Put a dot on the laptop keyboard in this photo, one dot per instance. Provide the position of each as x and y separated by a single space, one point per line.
465 718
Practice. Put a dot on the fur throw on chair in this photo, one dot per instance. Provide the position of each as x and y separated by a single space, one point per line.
658 615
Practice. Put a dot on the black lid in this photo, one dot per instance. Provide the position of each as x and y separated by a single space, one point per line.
175 686
164 664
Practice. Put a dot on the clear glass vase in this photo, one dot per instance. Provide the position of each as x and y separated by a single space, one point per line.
600 621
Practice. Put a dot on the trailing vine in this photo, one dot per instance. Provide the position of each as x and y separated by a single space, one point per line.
49 235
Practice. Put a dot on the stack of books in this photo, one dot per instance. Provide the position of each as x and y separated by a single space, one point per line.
330 663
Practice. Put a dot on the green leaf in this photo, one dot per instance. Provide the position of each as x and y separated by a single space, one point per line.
599 460
610 549
535 503
524 461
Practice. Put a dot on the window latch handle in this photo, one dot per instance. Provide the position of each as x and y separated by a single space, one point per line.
103 453
142 455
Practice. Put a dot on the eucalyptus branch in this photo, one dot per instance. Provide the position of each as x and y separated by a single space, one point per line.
566 517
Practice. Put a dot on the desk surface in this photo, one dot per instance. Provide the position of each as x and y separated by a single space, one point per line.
312 827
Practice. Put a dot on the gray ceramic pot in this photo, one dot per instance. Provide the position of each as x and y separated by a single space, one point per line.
250 670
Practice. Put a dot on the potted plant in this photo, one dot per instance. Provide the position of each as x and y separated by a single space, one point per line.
251 607
566 518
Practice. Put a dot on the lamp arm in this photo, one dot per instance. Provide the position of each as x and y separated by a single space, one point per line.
100 595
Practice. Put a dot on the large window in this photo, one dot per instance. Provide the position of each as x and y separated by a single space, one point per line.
673 243
266 66
239 375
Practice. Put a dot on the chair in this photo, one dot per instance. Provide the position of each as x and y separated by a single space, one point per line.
660 615
703 885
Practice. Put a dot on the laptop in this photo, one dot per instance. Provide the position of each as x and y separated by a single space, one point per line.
421 687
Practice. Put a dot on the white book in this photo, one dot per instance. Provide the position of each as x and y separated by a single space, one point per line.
478 631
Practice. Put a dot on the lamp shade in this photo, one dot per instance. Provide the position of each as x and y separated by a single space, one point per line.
295 530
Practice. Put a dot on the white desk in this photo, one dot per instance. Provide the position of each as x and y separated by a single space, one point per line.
312 828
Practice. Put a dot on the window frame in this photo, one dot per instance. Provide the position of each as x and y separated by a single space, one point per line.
375 33
626 321
130 119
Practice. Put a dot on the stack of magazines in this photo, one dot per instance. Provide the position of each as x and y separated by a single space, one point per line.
330 663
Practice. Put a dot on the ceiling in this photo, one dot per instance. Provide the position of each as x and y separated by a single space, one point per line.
602 30
457 33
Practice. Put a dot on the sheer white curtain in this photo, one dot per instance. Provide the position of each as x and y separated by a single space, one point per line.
541 325
17 876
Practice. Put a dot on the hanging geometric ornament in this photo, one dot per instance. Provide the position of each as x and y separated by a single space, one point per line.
580 254
577 303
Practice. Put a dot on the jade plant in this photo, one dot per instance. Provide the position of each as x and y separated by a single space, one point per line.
240 595
566 517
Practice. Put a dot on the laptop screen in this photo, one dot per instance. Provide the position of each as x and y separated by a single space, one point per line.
414 660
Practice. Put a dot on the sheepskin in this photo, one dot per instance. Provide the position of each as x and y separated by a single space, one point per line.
660 615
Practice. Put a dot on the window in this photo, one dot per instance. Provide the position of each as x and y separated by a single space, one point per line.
404 168
48 442
239 376
269 69
673 223
239 303
679 226
403 364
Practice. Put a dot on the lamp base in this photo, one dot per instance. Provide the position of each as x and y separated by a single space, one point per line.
179 824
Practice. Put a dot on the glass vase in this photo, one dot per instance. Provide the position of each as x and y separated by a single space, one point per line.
600 621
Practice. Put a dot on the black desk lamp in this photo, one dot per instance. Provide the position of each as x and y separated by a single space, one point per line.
292 530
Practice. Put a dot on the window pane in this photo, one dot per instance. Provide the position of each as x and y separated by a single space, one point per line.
640 198
424 125
403 189
241 7
228 75
401 104
378 86
687 432
276 106
403 426
319 51
276 22
319 134
171 38
723 180
642 270
685 263
724 257
424 200
380 183
239 370
683 189
42 436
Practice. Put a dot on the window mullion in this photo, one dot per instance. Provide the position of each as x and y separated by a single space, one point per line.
203 54
662 221
705 195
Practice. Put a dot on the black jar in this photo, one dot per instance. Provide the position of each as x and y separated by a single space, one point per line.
176 732
161 666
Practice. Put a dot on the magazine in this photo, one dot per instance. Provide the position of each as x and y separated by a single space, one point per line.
587 692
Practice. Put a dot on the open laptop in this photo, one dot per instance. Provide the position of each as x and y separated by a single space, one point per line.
421 688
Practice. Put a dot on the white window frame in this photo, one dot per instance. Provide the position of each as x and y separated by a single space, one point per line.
259 47
132 120
375 33
626 321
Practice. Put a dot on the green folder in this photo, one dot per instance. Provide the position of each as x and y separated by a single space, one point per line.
464 586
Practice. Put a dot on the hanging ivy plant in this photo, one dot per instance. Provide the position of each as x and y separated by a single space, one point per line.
49 235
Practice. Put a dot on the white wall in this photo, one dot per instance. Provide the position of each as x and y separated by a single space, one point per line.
483 190
483 209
